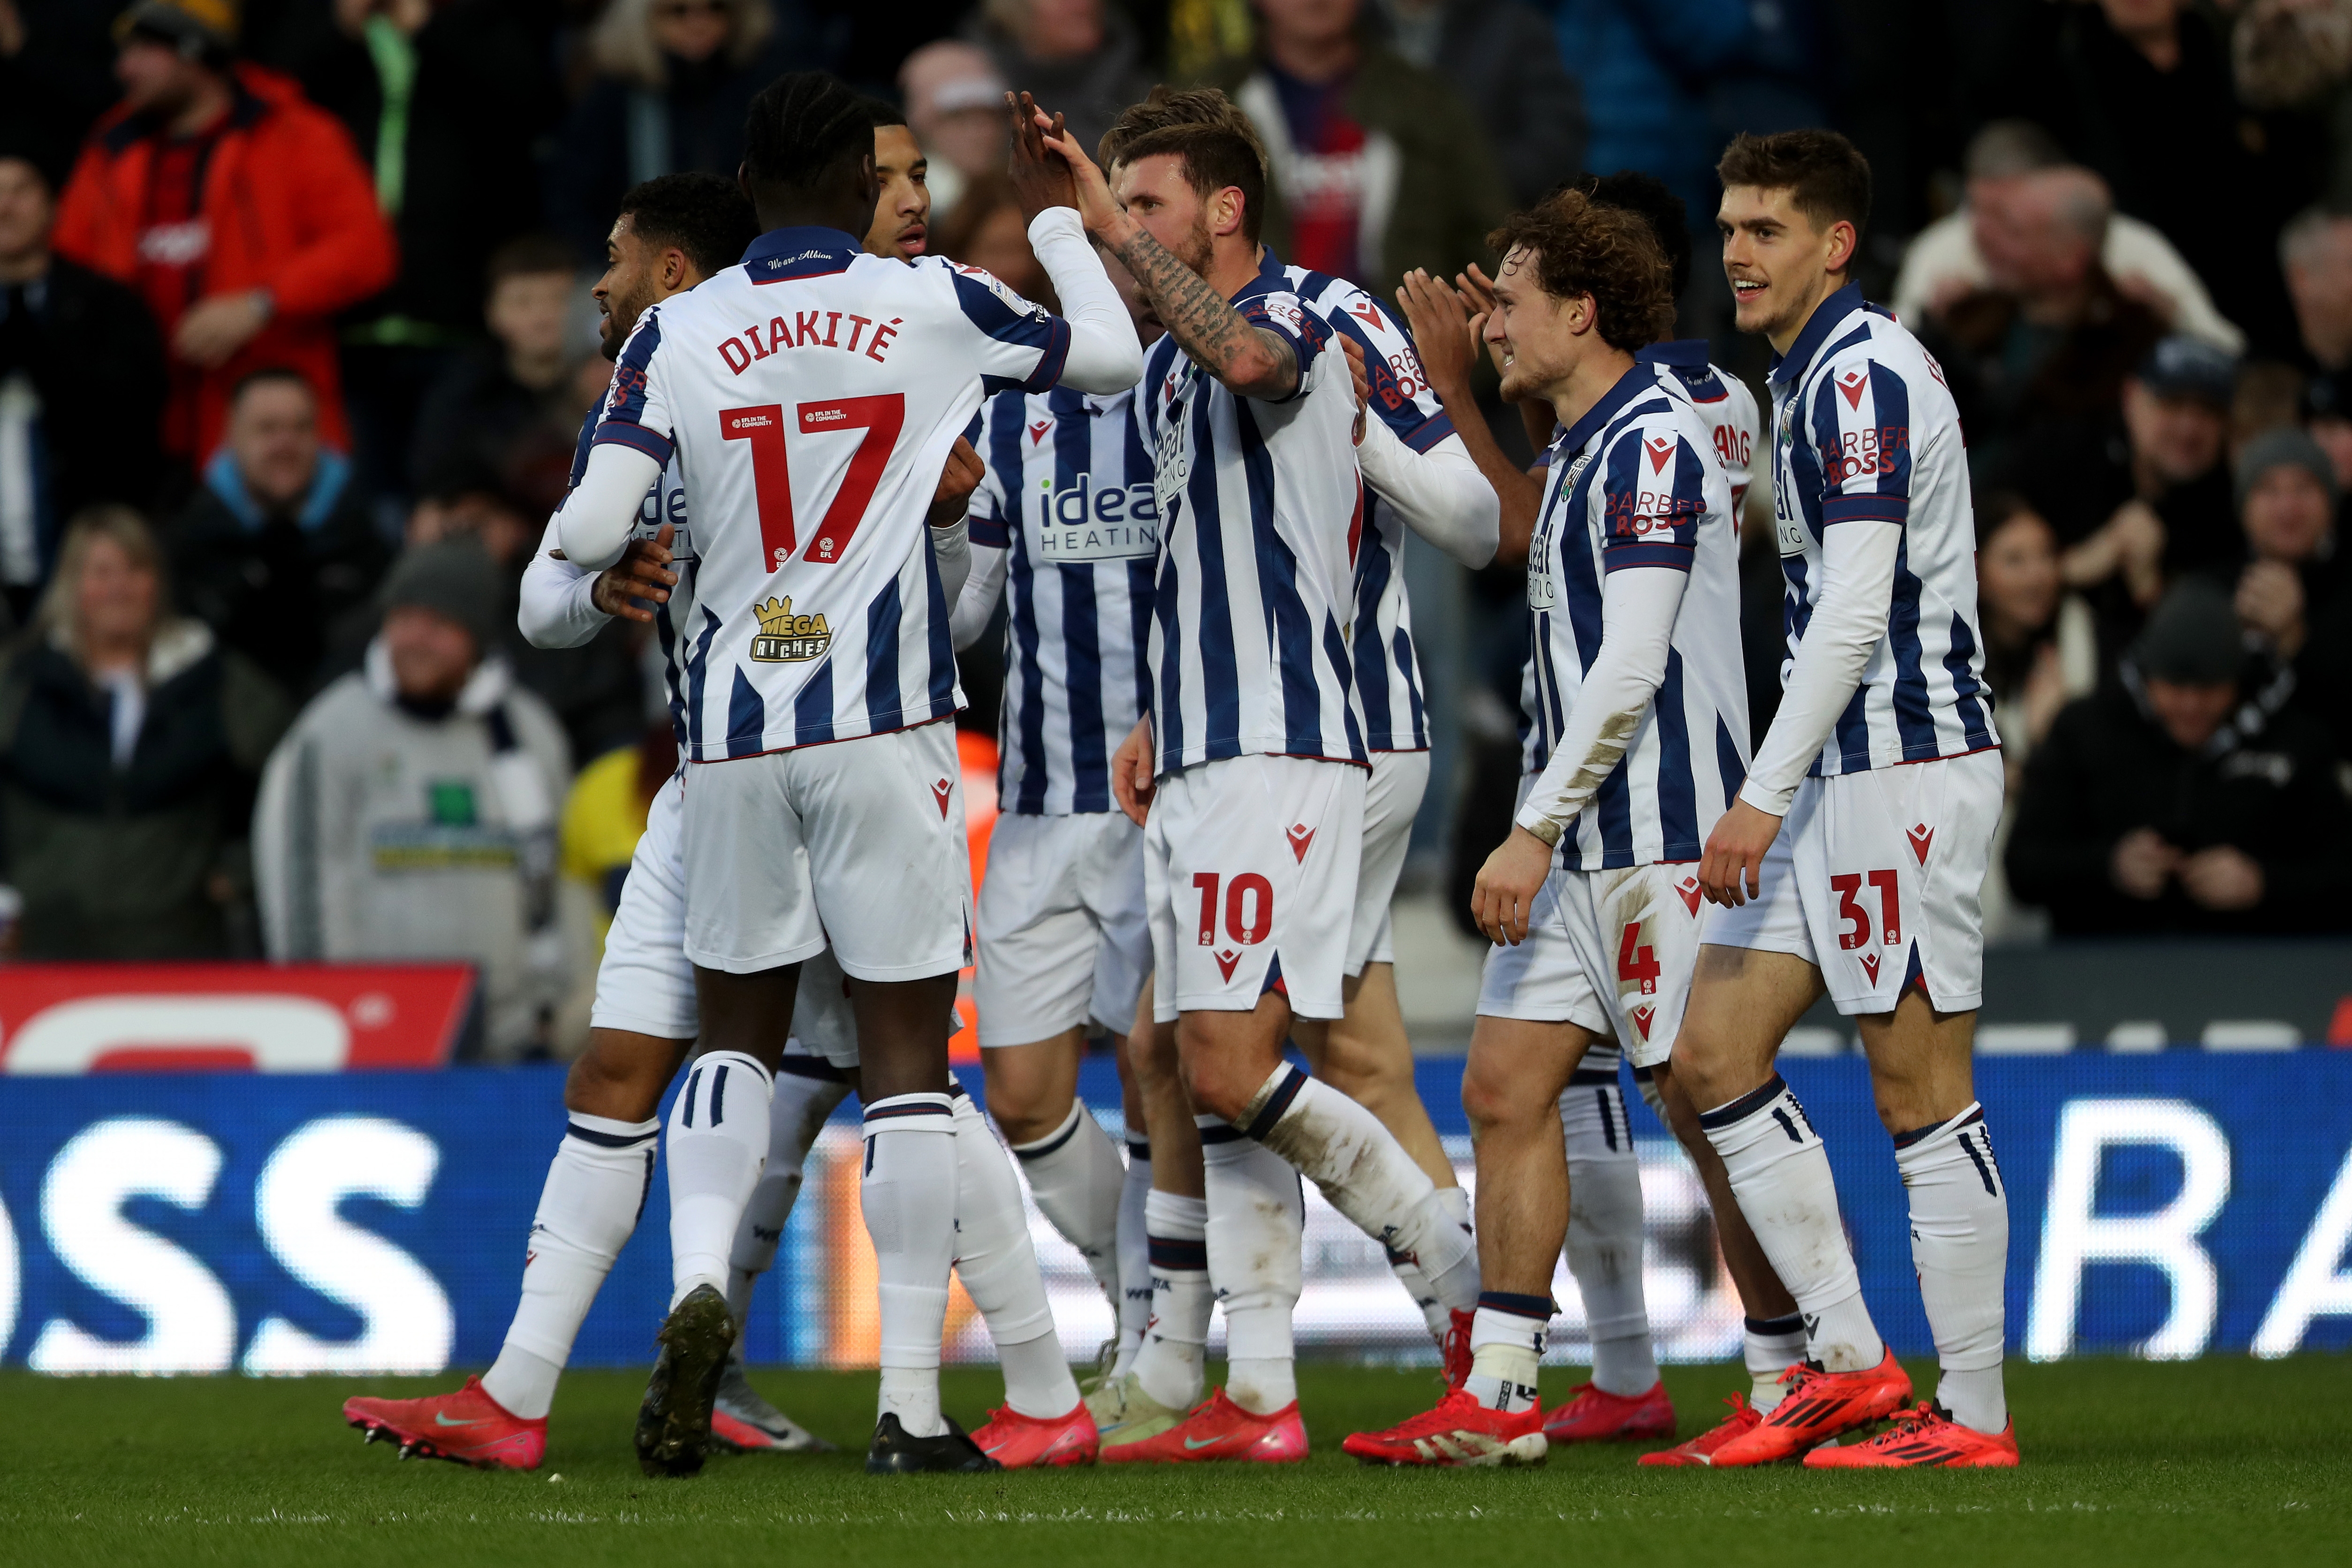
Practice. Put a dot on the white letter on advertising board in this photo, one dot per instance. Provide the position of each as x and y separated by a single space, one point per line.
2312 1287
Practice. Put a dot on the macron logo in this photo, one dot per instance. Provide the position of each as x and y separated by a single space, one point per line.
1922 838
1037 432
1659 451
1850 386
1300 836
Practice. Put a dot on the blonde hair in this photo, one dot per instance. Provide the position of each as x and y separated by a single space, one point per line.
128 532
623 43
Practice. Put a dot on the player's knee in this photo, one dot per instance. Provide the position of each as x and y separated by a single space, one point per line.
617 1077
1215 1088
1493 1103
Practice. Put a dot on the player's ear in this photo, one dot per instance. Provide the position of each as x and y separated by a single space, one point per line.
1842 241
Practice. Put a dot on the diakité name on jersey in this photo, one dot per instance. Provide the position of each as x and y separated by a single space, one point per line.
1736 427
811 395
1068 497
665 502
1261 509
1863 427
1635 483
1387 671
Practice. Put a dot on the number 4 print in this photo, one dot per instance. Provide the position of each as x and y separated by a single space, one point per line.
1636 961
1249 907
1890 909
881 417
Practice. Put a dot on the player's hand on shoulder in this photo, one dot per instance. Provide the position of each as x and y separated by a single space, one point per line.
1133 777
1731 868
641 574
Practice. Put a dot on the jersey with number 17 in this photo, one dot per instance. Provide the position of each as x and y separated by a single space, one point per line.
811 395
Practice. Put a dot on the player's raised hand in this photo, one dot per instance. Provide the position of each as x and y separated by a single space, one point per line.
1097 208
1040 179
1133 777
1504 898
641 574
1479 290
958 480
1731 867
1355 352
1444 330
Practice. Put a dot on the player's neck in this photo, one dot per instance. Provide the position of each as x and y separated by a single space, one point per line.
1573 395
1784 336
1232 265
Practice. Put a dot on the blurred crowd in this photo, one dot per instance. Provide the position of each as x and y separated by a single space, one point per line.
295 338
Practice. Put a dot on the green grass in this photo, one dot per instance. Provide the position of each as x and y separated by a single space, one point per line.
2220 1460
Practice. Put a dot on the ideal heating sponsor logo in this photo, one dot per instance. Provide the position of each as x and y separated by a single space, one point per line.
1083 524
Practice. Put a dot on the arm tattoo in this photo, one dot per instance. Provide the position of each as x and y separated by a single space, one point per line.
1203 322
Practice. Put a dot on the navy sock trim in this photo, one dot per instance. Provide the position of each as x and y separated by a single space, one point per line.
1221 1133
1138 1149
1293 1081
1039 1153
1175 1252
608 1140
1540 1308
1747 1105
1591 1077
904 1105
1793 1324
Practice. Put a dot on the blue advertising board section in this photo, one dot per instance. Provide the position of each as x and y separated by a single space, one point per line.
2166 1204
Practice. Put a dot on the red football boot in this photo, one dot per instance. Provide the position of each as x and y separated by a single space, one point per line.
1818 1406
1021 1442
1923 1438
1700 1451
1594 1416
1454 1349
1460 1432
468 1426
1217 1428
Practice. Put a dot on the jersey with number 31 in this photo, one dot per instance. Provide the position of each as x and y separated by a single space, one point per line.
811 395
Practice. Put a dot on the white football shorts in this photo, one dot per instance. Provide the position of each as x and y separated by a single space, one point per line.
1875 880
1392 799
1063 937
859 843
1250 866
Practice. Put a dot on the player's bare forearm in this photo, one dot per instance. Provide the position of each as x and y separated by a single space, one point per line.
1249 360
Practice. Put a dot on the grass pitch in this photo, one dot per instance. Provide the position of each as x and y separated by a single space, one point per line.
2218 1460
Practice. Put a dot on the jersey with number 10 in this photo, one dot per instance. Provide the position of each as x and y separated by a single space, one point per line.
811 395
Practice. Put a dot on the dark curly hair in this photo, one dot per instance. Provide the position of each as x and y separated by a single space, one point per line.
1206 129
1584 246
705 215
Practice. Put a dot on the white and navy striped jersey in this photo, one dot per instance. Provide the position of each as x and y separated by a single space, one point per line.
1863 427
1068 497
1737 428
1260 511
811 395
1388 673
1635 483
665 502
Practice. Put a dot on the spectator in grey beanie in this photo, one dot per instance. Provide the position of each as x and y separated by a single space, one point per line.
2293 595
411 811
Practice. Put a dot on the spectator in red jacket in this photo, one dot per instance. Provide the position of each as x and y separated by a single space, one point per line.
239 211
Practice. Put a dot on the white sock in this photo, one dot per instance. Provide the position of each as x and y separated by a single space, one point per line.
1604 1225
717 1143
999 1268
1435 1314
1651 1096
1507 1344
1076 1176
1780 1174
796 1111
1134 1255
908 1193
1257 1219
1170 1362
1771 1346
1959 1243
1364 1173
595 1189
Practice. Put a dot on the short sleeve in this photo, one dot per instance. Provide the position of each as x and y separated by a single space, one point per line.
1016 344
1653 493
1860 429
1287 318
995 434
637 408
1399 394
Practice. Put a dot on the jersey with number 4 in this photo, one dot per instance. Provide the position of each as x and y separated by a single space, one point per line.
811 395
1864 428
1635 483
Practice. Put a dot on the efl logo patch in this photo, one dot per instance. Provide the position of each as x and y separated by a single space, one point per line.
1850 384
940 792
1300 836
1921 837
1659 451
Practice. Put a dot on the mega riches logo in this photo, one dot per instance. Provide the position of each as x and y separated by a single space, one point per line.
785 638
